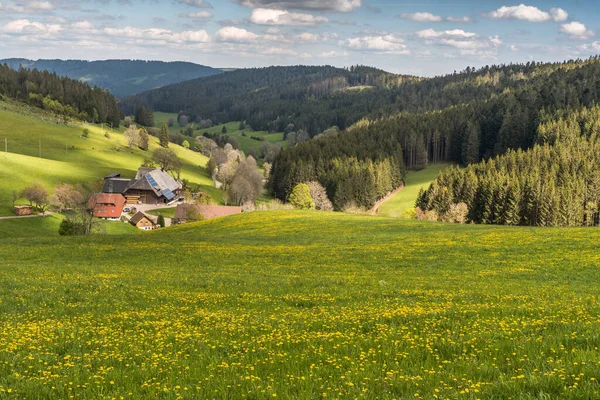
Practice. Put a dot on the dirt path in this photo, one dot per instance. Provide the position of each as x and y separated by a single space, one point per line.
375 209
26 216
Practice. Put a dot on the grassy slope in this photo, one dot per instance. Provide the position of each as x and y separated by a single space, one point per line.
303 305
48 227
246 143
406 198
84 160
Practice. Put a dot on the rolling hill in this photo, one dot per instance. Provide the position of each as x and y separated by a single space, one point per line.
303 305
311 98
67 157
122 77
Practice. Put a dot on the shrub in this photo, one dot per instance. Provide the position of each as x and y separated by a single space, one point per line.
107 135
66 228
352 208
301 198
273 205
319 196
456 214
161 221
86 133
411 213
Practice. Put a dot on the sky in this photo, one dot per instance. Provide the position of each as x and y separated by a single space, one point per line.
415 37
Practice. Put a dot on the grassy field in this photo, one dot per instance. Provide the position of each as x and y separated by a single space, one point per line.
246 142
165 212
303 305
405 199
66 157
48 227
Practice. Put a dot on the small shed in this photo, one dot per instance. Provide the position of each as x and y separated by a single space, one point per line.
142 221
23 210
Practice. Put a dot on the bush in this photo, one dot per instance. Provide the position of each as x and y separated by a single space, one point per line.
352 208
161 221
411 213
301 198
319 196
456 214
274 205
66 228
426 215
107 135
86 133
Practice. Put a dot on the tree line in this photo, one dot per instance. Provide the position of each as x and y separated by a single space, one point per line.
62 96
555 183
465 133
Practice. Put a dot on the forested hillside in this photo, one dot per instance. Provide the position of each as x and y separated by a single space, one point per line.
122 77
472 129
556 183
60 95
269 99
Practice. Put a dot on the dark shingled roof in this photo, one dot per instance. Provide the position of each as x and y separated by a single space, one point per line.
116 185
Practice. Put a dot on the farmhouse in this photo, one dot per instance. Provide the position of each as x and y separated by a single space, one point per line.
150 186
142 221
107 205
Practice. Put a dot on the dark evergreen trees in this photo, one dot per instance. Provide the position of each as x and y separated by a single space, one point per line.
62 96
555 183
164 136
144 116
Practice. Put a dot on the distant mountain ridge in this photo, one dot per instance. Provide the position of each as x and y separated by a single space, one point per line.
122 77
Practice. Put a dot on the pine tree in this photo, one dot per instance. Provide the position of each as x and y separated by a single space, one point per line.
144 139
164 136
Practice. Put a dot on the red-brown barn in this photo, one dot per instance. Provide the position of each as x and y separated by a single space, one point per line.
107 205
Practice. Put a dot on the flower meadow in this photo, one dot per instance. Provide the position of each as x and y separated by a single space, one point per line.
303 305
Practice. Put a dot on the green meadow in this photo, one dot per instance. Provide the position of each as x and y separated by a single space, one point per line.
303 305
246 142
67 157
48 227
405 199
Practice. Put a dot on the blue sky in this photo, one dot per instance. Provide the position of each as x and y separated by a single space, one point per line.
413 37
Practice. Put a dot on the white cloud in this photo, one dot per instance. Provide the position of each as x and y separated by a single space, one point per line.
83 25
27 7
233 34
195 3
422 17
495 40
264 16
386 44
576 30
458 19
163 35
559 15
197 15
26 26
529 13
431 33
39 5
463 44
323 5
